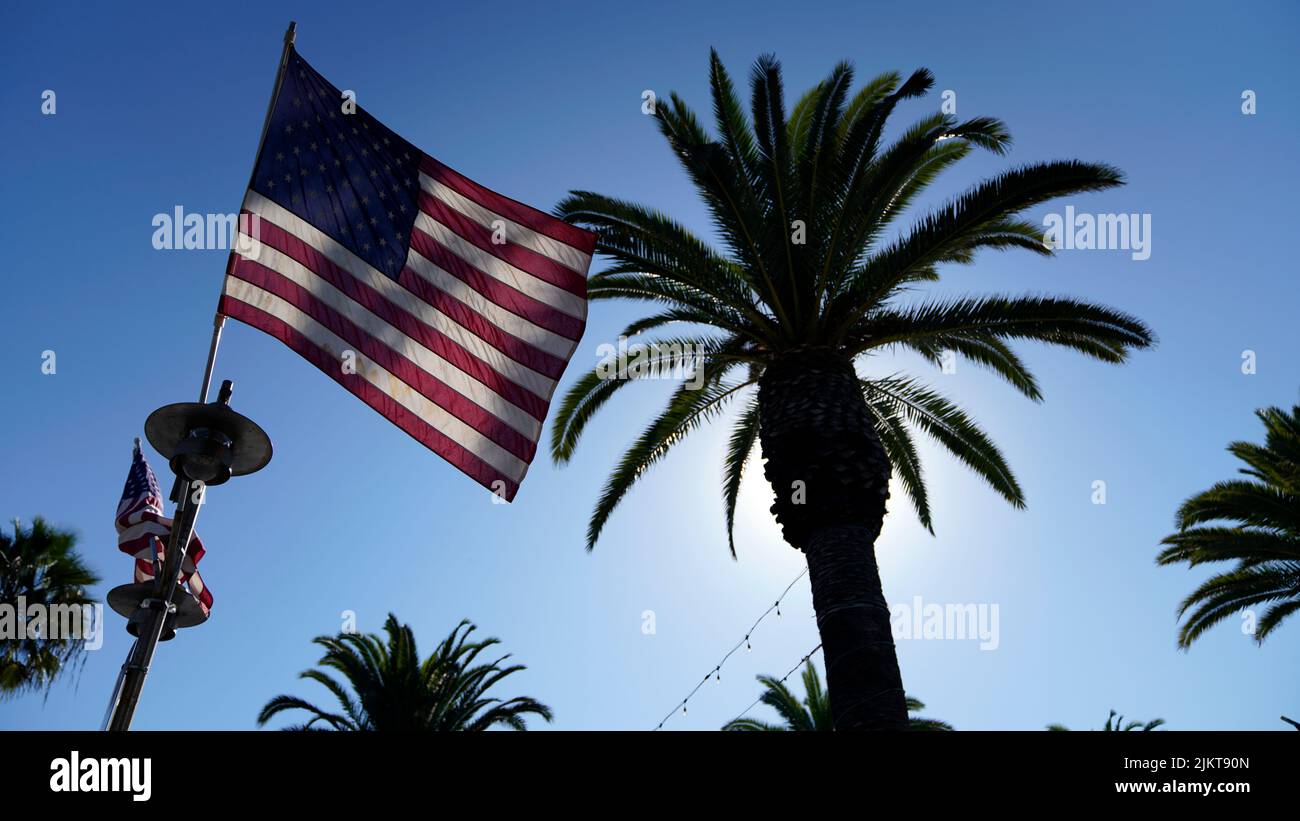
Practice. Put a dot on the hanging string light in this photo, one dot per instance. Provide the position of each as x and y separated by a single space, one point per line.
716 672
788 673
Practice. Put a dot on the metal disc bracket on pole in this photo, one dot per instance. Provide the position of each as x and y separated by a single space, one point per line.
134 601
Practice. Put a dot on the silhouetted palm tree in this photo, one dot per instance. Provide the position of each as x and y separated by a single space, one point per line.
392 689
808 283
41 565
814 712
1115 723
1264 540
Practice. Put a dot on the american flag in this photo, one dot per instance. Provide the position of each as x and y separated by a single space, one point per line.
142 530
448 308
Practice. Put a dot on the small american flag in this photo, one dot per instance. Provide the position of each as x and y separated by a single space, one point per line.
448 308
142 530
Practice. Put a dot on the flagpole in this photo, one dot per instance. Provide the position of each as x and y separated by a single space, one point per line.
219 319
217 322
131 678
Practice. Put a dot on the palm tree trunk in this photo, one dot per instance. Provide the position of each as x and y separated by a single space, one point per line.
830 476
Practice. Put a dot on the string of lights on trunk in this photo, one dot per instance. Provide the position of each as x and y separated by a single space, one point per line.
746 640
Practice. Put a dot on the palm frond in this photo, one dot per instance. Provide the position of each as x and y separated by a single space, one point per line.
741 444
1263 539
950 427
892 427
39 564
686 411
952 231
597 386
1093 330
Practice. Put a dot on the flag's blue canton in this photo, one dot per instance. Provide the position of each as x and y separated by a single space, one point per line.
140 481
346 174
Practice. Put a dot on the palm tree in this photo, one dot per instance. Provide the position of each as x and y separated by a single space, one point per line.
392 689
808 283
1115 723
40 566
1264 540
814 712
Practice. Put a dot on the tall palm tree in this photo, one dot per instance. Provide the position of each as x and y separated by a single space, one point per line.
1264 540
809 282
1115 723
814 712
41 566
392 689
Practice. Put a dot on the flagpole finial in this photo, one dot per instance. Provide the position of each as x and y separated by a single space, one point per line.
137 443
291 34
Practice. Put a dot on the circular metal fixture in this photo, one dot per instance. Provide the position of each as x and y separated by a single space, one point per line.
208 442
135 601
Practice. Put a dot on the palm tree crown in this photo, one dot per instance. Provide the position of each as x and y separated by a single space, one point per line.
803 204
1264 540
1115 724
41 565
814 712
393 689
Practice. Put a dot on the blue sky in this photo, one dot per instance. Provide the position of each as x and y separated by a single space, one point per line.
160 105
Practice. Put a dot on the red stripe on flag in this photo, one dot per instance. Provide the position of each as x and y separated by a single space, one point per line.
375 302
463 315
513 300
424 433
525 259
526 215
433 389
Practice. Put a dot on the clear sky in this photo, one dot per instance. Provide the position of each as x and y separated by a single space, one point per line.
161 105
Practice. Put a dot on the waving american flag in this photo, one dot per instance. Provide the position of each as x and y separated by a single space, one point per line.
448 308
142 530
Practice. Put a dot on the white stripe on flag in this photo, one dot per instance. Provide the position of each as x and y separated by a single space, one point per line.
143 529
394 339
502 271
560 252
433 415
508 321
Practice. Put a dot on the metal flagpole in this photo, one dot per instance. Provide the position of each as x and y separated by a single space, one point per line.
219 320
160 607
